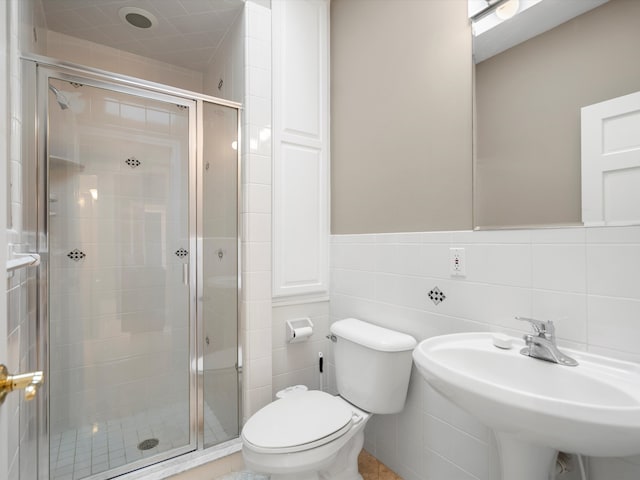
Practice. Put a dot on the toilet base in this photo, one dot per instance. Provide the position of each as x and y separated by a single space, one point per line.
345 466
342 466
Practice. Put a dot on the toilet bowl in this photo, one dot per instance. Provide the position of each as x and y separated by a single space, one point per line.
303 434
312 435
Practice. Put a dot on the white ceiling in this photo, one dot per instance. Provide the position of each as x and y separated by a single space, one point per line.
187 34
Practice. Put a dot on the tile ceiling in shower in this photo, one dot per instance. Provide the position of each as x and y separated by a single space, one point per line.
187 34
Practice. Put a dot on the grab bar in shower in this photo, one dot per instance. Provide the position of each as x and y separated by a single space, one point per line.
23 260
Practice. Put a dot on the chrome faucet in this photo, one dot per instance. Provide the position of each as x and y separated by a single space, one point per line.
542 345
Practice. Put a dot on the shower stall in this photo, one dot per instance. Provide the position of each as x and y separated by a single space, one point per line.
132 199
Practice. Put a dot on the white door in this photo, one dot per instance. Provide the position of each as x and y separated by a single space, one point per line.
611 161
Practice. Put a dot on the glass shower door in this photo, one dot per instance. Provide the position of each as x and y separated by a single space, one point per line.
121 379
219 284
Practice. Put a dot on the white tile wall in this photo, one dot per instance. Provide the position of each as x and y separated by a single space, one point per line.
256 207
18 417
586 280
297 363
228 65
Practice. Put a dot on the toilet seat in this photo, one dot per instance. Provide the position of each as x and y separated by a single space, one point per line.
299 421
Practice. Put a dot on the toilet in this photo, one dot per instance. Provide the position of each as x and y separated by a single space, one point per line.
312 435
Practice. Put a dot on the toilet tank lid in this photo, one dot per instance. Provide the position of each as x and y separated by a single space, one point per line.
372 336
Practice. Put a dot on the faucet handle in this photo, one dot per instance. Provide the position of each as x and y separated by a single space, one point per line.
541 327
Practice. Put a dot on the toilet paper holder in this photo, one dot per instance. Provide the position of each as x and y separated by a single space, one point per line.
299 329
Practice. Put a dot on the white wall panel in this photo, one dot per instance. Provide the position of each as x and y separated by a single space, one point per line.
300 236
302 53
300 147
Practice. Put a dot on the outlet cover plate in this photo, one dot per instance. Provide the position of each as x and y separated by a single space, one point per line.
457 262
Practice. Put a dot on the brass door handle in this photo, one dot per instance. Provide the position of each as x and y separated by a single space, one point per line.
27 381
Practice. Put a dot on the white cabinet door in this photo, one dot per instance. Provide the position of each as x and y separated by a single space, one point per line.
611 161
300 147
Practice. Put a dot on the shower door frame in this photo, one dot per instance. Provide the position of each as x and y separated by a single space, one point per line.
37 70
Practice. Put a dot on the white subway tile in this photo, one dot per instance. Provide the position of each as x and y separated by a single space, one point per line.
366 238
257 286
386 433
259 200
436 237
257 257
258 21
353 257
484 303
259 53
559 267
567 310
629 234
612 353
259 344
614 323
259 137
255 399
437 467
398 238
491 236
613 270
257 227
408 259
353 283
575 235
410 292
386 258
258 170
498 264
257 314
259 372
434 260
258 82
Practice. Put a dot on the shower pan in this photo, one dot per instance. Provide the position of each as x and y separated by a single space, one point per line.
132 199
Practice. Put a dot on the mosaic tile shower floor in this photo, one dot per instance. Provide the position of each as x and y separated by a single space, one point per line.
83 452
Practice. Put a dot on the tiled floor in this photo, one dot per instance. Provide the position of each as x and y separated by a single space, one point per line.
372 469
80 453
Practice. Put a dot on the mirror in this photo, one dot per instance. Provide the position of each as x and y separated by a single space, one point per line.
528 101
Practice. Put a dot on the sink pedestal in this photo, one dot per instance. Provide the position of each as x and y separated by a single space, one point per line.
520 460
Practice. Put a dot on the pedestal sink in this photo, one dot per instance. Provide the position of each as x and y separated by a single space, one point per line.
536 407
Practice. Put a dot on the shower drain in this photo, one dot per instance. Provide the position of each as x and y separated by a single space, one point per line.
148 444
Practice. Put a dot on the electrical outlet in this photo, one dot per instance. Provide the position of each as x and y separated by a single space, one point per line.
457 263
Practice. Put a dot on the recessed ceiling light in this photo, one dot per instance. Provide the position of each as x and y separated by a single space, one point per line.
137 17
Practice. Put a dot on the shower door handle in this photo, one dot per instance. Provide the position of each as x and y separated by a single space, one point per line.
185 273
27 381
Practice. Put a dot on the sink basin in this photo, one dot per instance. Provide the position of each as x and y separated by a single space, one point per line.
537 407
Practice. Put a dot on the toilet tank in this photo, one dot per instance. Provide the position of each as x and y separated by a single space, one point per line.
373 365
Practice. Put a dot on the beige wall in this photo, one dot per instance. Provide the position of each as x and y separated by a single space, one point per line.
400 116
528 114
